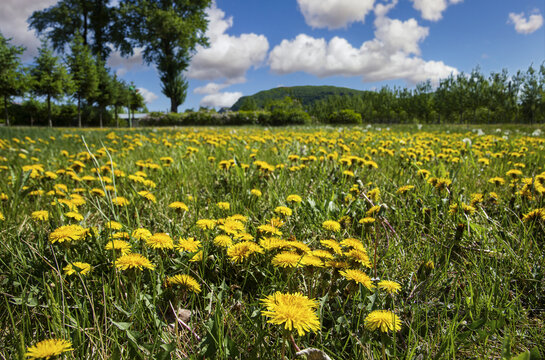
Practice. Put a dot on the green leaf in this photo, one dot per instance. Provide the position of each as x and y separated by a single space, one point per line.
124 326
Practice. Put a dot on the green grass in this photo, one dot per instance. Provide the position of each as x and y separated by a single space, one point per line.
483 298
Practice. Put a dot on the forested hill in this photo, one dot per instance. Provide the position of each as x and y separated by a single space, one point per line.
306 95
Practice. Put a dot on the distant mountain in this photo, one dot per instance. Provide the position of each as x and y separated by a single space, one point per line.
307 95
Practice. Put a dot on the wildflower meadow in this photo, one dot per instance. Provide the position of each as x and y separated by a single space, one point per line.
255 243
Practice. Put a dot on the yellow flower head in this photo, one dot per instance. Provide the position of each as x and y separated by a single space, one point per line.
46 349
178 206
189 245
391 287
331 225
243 250
358 276
40 215
294 311
77 267
223 205
294 199
185 281
256 192
121 245
160 241
283 210
141 234
384 320
67 233
133 261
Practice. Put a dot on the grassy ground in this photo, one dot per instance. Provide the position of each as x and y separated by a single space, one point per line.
466 251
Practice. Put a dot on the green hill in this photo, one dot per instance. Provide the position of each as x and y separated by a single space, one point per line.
307 95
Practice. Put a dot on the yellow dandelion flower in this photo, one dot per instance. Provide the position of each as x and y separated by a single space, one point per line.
189 245
239 252
206 224
537 214
283 210
331 225
113 225
148 196
360 256
383 320
287 259
197 257
256 192
141 234
160 241
391 287
294 199
223 241
223 205
359 277
67 233
184 281
232 227
333 245
353 243
74 215
294 311
121 245
404 189
40 215
269 229
133 261
46 349
373 211
77 267
270 243
178 206
120 201
322 254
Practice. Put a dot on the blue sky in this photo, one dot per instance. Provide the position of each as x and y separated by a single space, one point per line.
361 44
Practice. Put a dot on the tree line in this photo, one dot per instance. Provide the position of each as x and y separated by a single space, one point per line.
462 98
86 32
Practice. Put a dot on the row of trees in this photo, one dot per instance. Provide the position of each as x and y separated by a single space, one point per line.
461 98
81 76
167 31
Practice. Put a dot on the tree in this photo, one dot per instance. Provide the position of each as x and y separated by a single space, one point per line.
12 81
104 95
50 78
168 31
120 96
84 73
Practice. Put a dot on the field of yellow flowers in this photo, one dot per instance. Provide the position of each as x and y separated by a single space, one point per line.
254 243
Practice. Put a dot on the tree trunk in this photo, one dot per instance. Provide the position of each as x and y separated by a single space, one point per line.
100 117
6 109
49 121
173 105
79 111
116 118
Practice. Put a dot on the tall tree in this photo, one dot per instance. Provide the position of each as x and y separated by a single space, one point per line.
50 78
105 91
84 73
120 96
95 20
168 31
12 79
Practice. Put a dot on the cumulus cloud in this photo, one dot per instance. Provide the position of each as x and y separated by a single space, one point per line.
210 88
334 14
432 9
122 65
228 57
392 54
220 99
525 25
13 23
149 96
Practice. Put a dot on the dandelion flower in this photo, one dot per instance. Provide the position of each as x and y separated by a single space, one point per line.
141 234
269 229
121 245
185 281
40 215
46 349
331 225
384 320
67 233
74 215
333 245
160 241
113 225
206 224
391 287
243 250
223 241
359 277
287 259
404 189
197 256
223 205
294 199
77 267
256 193
283 210
148 196
178 206
294 311
133 261
120 201
189 245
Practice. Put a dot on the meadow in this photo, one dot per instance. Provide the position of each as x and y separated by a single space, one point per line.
253 243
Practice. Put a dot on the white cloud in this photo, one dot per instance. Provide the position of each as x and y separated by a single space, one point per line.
149 96
210 88
13 22
432 9
333 14
122 65
228 57
220 99
526 25
392 54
